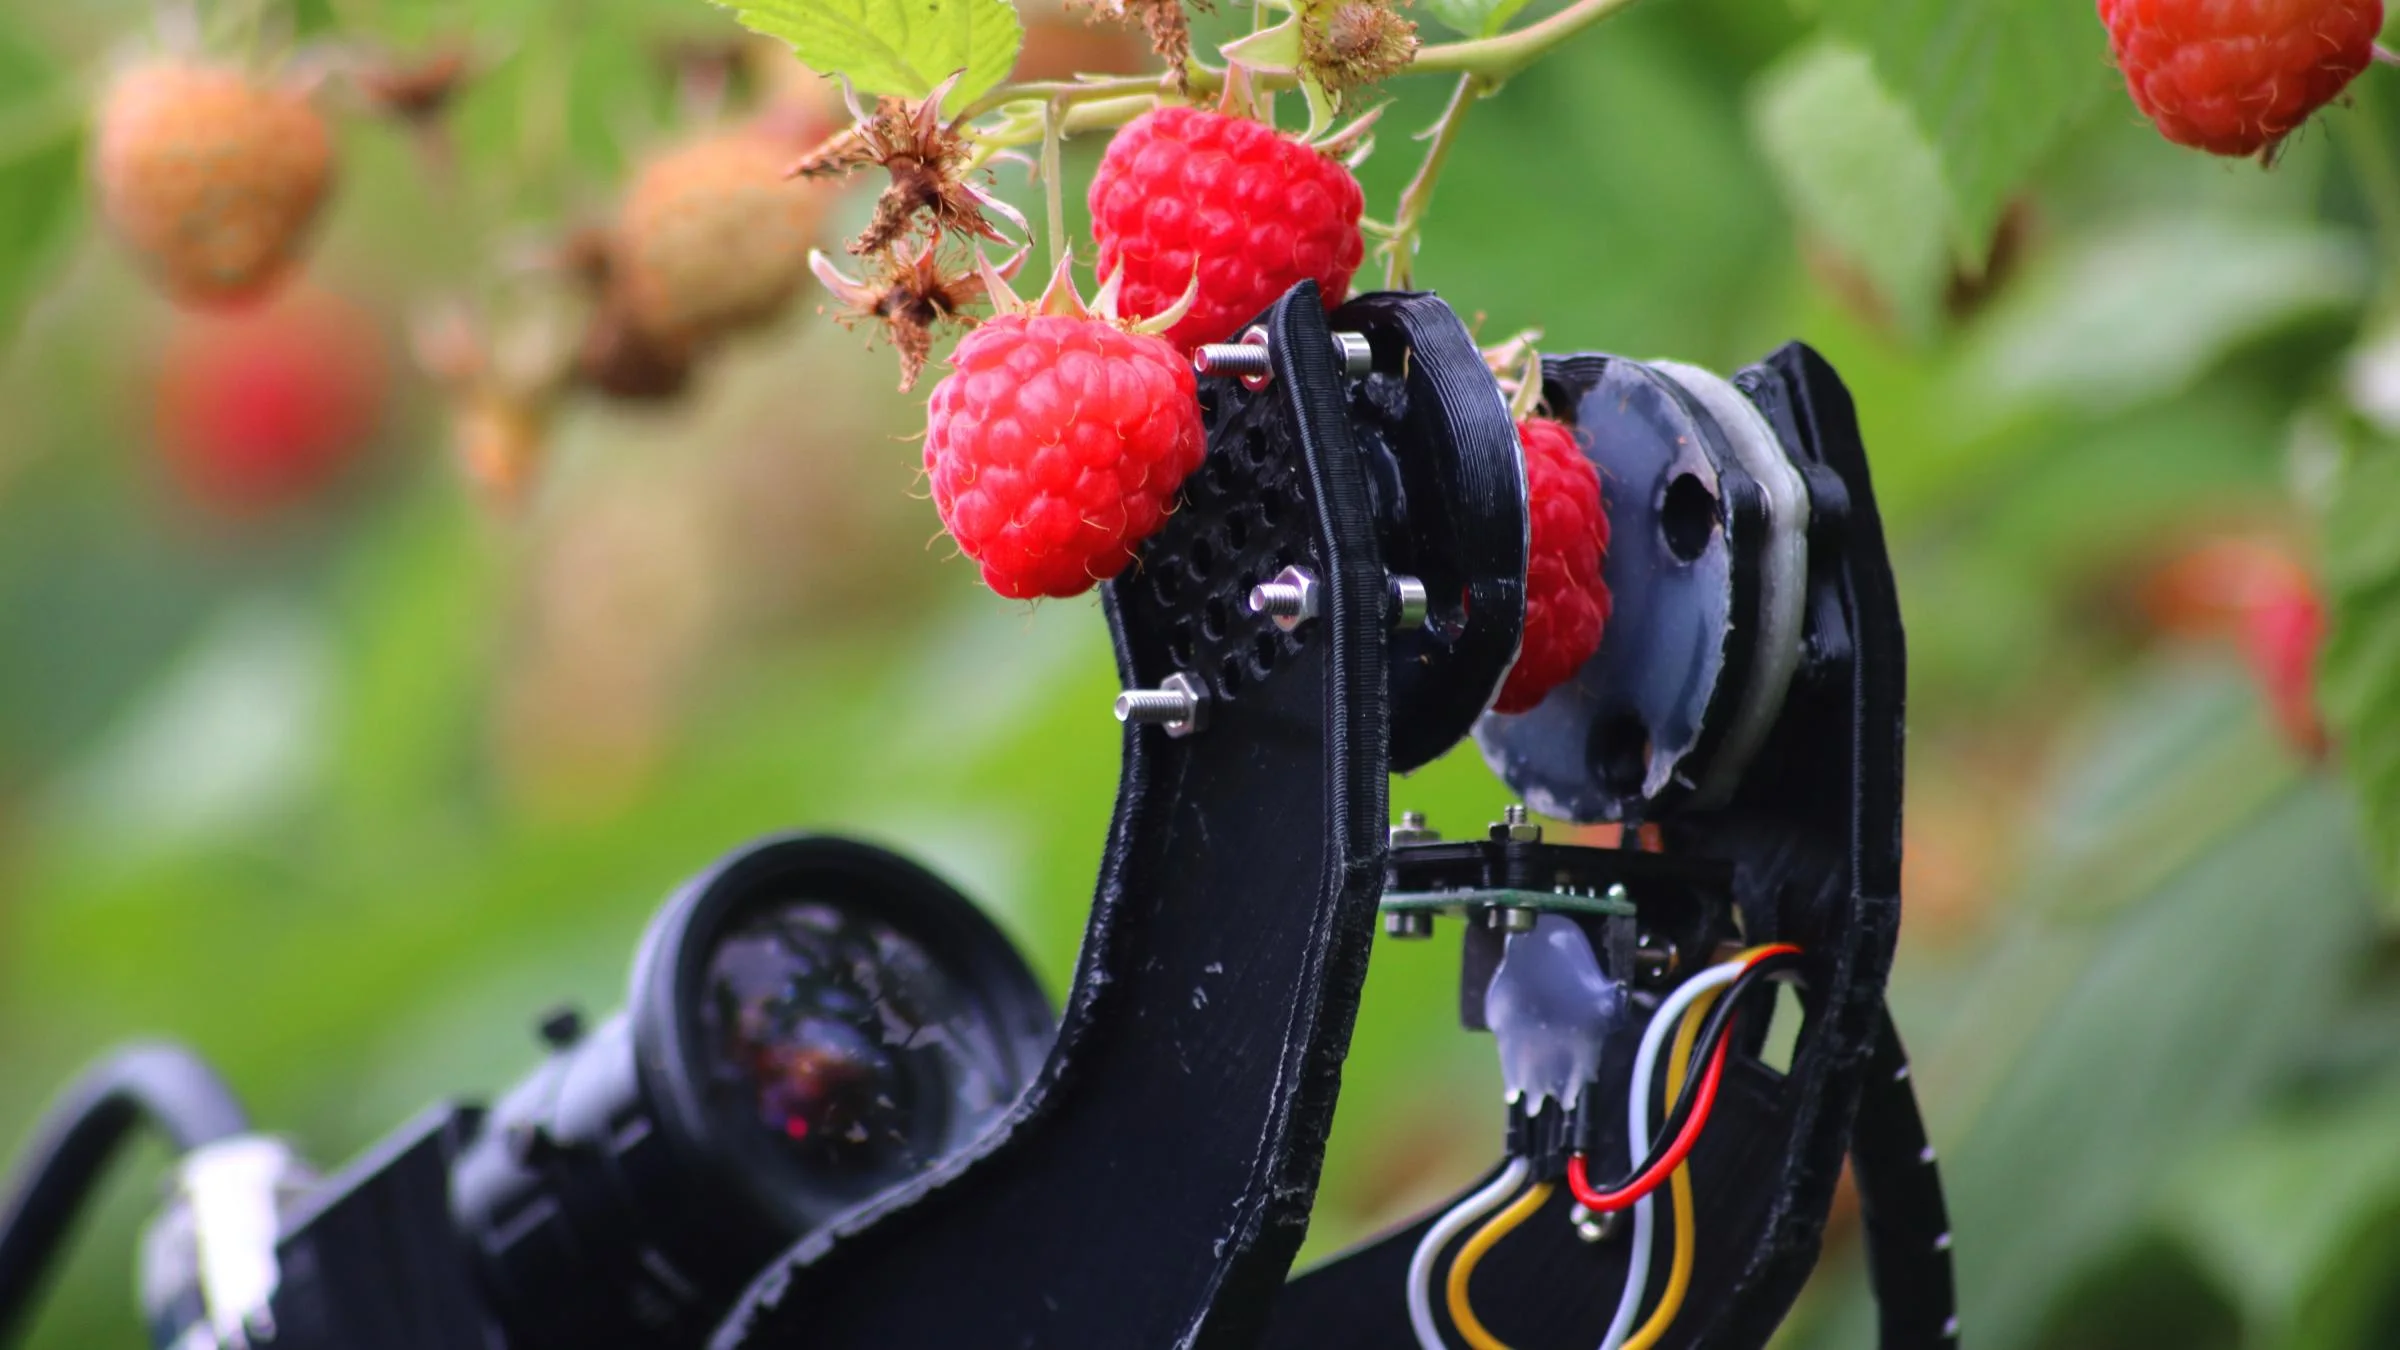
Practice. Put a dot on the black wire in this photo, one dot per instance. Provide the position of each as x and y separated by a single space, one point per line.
1704 1048
166 1086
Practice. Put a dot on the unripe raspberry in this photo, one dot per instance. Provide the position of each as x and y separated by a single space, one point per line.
715 237
1566 601
1056 444
209 177
1184 193
2234 77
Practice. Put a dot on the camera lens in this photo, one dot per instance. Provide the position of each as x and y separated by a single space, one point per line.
845 1043
813 1021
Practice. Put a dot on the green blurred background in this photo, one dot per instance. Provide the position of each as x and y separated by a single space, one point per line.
345 793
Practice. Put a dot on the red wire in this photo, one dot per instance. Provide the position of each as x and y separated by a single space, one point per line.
1603 1202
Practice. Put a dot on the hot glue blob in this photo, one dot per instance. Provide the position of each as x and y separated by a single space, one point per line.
1551 1009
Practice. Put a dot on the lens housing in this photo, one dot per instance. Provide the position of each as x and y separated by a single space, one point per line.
812 1021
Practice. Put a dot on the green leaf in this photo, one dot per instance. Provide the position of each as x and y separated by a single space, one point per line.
2144 310
2103 1038
1994 83
901 47
41 157
2359 682
1273 50
2280 1213
1858 173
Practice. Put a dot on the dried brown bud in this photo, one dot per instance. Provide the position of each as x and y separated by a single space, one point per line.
414 90
1356 42
928 165
913 297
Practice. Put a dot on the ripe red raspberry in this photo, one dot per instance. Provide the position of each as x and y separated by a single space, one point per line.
263 409
210 177
1566 601
2234 77
1056 443
1253 211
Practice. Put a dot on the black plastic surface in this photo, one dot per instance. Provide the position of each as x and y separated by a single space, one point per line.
1152 1188
1448 486
1813 841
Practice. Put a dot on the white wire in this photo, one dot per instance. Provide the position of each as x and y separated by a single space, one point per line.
1450 1225
1638 1141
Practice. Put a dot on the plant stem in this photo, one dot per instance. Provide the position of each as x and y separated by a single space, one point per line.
1054 196
1494 59
1497 58
1400 250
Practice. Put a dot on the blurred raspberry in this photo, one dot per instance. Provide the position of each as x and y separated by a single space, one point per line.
210 177
264 409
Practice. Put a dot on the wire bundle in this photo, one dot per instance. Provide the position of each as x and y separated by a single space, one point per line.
1700 1014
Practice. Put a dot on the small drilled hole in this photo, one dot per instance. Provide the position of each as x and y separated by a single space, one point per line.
1179 646
1237 532
1687 517
1203 556
1263 650
1619 751
1212 618
1254 447
1270 510
1229 672
1164 581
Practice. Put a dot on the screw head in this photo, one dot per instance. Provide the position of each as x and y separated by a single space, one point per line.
1515 827
1511 918
1595 1227
1409 604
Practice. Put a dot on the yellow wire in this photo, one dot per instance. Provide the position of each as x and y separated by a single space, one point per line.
1679 1278
1487 1237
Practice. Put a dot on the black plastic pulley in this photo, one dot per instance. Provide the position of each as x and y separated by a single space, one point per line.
1448 488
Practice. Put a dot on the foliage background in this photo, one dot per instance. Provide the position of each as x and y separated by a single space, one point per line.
300 791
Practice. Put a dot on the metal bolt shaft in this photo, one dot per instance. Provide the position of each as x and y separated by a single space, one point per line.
1408 924
1511 918
1247 359
1179 704
1230 358
1291 599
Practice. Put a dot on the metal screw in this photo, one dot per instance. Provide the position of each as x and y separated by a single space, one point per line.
1408 923
1515 828
1358 359
1656 958
1291 599
1409 603
1595 1227
1511 918
1179 704
1247 359
1412 829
